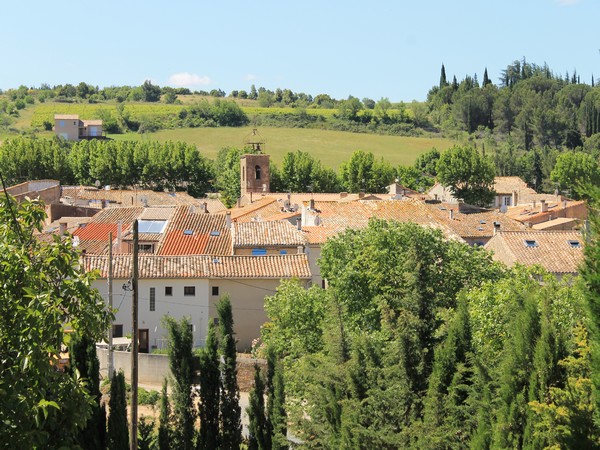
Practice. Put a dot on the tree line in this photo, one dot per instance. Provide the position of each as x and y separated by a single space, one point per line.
419 342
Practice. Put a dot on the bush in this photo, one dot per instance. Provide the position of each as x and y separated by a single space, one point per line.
148 397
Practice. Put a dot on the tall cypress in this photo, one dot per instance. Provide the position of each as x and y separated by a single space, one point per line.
84 359
210 386
486 79
230 411
181 364
443 81
164 420
276 413
118 432
258 428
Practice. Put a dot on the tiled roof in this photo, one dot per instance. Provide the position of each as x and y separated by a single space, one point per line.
96 231
529 213
249 212
157 213
209 233
66 116
264 234
114 215
556 251
506 185
92 122
203 266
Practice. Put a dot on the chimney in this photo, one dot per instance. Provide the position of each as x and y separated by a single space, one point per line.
119 232
239 202
312 204
515 198
496 227
343 194
205 207
543 206
228 219
299 224
62 228
192 209
451 214
564 204
435 197
300 249
361 194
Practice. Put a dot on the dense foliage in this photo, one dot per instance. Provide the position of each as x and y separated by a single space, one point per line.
421 342
43 292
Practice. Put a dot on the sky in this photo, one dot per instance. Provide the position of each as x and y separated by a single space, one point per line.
370 48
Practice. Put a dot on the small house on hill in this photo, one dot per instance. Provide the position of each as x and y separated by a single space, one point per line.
72 128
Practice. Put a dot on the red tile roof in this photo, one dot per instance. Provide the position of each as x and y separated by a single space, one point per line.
264 234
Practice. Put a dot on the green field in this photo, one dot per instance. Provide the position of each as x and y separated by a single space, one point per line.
330 147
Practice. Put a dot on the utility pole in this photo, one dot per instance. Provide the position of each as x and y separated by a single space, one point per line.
111 365
134 340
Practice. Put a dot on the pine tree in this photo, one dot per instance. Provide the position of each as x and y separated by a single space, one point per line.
258 428
181 364
118 432
164 420
230 412
276 413
210 386
83 358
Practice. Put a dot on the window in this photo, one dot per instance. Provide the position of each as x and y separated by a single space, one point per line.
152 299
117 330
146 248
168 291
507 201
189 291
530 243
259 251
215 290
62 123
574 244
257 172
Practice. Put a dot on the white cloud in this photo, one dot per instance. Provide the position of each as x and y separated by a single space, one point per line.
250 77
567 2
186 79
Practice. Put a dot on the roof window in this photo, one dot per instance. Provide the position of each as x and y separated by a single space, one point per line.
188 232
151 226
215 233
530 243
574 243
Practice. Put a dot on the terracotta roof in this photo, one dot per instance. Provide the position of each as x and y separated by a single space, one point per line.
96 231
249 212
264 234
529 213
209 233
154 213
506 185
203 266
66 117
114 215
555 251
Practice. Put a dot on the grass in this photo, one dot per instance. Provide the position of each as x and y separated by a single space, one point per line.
330 147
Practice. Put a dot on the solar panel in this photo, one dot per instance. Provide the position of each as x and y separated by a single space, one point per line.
151 226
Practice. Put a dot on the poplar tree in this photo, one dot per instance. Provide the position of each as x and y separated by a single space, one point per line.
230 412
118 432
210 385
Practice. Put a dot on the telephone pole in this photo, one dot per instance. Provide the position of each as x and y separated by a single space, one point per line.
134 340
111 366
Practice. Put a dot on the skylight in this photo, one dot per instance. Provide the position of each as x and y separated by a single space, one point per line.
188 232
151 226
574 244
215 233
530 243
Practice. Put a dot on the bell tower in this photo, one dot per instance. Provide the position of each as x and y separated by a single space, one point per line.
254 167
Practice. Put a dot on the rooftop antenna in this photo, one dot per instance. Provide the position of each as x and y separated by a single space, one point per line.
255 142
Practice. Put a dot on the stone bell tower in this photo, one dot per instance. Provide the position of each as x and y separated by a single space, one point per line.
254 167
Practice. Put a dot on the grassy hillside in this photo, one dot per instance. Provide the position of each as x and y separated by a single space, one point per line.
331 147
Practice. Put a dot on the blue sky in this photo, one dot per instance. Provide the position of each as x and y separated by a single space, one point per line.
372 49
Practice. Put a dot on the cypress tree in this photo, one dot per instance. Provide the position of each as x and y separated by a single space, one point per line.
164 420
258 428
486 79
210 385
443 81
118 432
454 83
276 413
181 364
84 359
230 412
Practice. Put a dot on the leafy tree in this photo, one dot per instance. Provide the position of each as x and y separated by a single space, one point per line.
230 413
363 173
150 92
468 175
118 432
181 364
43 291
427 162
576 171
349 109
413 178
210 387
227 171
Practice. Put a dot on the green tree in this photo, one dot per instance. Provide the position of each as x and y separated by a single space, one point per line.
146 439
427 162
230 412
181 365
363 173
227 172
43 291
118 432
258 428
150 92
210 386
163 439
576 171
276 413
468 175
